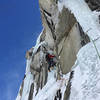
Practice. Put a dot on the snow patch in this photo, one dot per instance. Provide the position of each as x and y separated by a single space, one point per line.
87 74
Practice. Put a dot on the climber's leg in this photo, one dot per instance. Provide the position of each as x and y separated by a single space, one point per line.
49 65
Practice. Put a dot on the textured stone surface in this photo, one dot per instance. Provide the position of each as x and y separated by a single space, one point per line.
70 47
39 68
94 4
58 26
64 36
65 23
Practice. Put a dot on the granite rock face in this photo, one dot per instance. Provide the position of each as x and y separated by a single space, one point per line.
94 4
63 36
63 33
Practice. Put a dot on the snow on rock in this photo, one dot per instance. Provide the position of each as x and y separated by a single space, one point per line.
29 77
84 16
26 89
28 66
38 43
86 80
48 92
37 46
97 14
85 84
18 97
27 84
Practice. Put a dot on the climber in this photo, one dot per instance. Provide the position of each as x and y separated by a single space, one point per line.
50 60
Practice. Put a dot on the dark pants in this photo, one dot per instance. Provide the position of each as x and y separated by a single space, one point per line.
58 95
51 63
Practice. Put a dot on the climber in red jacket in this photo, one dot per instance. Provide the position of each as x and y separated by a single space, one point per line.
49 59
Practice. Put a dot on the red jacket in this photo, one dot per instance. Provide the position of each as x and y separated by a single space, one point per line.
51 56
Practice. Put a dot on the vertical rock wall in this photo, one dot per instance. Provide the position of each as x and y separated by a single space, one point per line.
63 36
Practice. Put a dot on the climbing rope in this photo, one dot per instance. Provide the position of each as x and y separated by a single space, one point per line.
96 48
93 41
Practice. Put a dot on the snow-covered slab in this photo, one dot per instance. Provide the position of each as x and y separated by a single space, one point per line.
86 80
48 92
83 15
27 85
28 62
38 43
26 88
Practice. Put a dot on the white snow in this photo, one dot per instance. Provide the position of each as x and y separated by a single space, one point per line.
26 89
48 92
38 43
85 84
83 15
27 84
37 46
97 14
28 66
49 89
18 97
